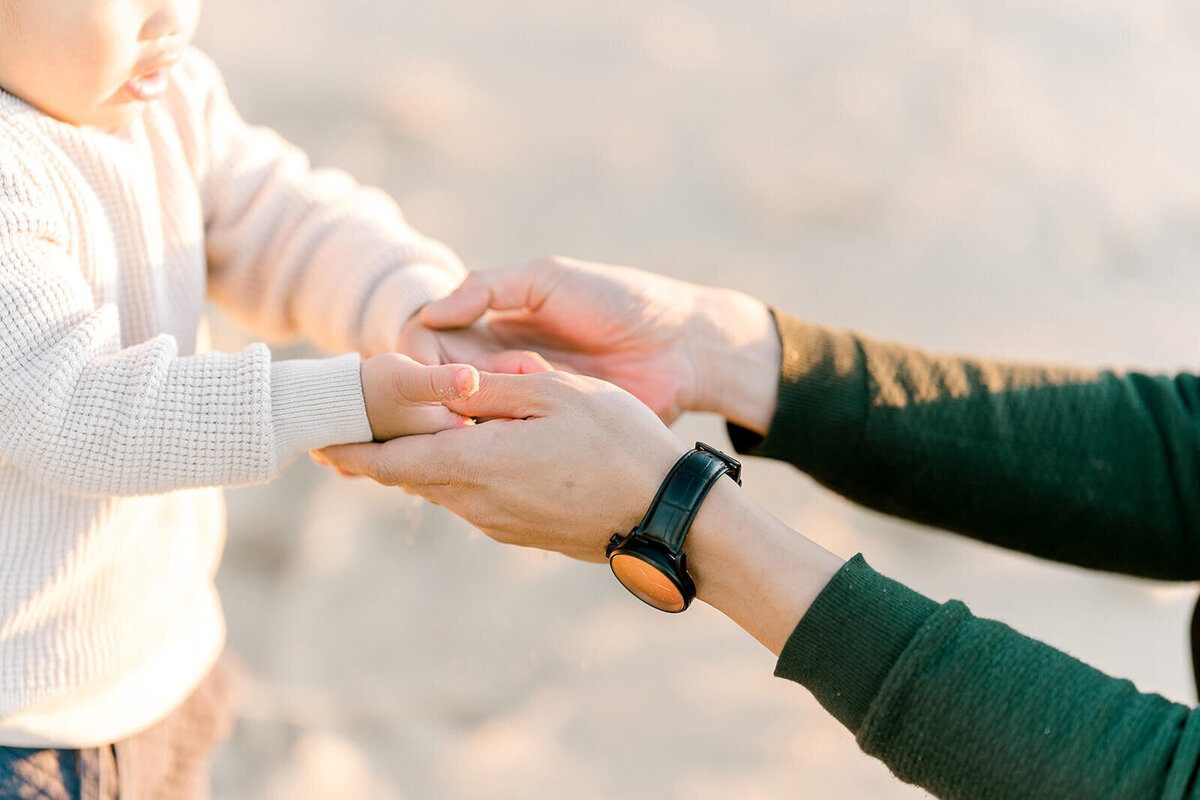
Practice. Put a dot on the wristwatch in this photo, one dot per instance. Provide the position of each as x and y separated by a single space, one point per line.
649 560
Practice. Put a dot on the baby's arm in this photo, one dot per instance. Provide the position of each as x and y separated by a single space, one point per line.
83 414
295 250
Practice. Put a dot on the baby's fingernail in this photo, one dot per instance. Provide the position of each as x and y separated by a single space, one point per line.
318 458
467 381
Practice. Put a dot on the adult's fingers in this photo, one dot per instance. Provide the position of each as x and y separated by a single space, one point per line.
421 384
319 458
522 286
514 362
409 460
556 351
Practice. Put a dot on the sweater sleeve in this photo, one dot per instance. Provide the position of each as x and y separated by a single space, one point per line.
296 250
969 708
1092 467
83 414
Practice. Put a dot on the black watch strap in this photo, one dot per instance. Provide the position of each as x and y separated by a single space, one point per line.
670 515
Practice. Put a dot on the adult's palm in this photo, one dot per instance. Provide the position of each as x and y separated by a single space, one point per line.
638 330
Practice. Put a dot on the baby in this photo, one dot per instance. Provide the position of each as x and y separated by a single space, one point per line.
130 188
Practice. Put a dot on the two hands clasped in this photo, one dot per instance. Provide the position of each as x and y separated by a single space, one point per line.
515 346
579 367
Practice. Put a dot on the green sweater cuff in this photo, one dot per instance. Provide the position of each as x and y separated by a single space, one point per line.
851 637
821 406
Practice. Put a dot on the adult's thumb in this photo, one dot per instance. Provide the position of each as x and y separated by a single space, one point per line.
512 288
460 308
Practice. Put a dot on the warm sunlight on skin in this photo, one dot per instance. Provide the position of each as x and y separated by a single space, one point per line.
92 62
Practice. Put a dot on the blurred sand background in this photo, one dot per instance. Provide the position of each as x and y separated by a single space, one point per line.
1014 179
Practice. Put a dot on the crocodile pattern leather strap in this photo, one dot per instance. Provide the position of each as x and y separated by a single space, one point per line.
670 516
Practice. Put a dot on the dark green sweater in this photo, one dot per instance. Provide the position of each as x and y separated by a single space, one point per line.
1089 467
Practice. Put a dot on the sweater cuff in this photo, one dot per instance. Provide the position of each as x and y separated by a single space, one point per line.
316 403
397 297
853 634
821 407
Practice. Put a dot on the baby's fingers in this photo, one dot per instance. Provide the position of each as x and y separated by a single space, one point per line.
420 384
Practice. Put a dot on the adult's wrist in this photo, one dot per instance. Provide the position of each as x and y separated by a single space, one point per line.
821 403
736 353
750 566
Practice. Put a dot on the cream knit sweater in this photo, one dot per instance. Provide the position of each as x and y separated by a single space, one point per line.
115 426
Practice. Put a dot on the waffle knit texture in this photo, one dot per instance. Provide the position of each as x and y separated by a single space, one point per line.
1089 467
116 425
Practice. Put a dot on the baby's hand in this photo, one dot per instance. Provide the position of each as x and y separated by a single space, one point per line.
404 397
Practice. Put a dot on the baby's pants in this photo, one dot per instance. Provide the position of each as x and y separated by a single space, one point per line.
168 761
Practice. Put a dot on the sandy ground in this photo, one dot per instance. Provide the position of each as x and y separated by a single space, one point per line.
1013 179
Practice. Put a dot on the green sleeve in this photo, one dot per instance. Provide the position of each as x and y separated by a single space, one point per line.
1091 467
969 708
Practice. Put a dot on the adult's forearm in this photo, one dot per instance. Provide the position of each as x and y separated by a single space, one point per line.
969 708
753 568
962 706
1092 467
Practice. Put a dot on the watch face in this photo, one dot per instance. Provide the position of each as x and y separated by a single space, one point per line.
646 581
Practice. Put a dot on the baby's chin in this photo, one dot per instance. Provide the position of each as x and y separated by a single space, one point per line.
115 117
110 116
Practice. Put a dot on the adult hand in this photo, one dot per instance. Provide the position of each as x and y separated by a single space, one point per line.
571 461
575 460
674 345
469 345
